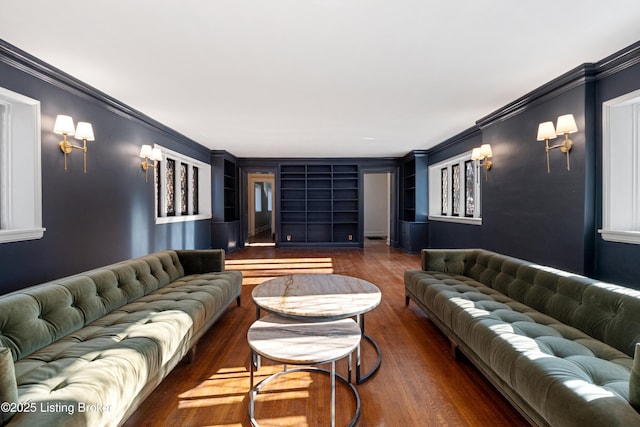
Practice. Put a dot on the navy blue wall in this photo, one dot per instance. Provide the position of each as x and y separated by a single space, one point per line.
527 212
551 218
106 215
446 234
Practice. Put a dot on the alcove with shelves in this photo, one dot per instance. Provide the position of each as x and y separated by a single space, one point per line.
225 223
413 201
319 205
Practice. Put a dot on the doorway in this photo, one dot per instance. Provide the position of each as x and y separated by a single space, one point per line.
261 215
377 207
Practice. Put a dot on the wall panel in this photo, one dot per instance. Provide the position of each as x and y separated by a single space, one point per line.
106 215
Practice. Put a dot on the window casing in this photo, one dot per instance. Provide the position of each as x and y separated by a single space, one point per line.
20 168
454 190
621 169
183 188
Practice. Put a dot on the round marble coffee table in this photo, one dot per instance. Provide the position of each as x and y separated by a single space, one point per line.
298 342
321 297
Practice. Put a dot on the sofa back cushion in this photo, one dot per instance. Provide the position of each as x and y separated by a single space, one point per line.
29 321
35 317
607 312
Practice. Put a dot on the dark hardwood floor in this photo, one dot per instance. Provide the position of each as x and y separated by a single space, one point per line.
418 384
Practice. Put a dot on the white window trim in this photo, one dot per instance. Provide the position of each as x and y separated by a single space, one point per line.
435 187
20 169
204 188
616 228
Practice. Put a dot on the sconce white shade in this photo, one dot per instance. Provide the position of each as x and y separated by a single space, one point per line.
145 151
156 154
485 151
546 131
566 124
64 124
84 130
482 154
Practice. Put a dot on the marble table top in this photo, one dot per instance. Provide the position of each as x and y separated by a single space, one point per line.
321 296
300 342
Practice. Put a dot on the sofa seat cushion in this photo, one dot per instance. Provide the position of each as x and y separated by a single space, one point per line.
209 291
565 374
108 362
105 364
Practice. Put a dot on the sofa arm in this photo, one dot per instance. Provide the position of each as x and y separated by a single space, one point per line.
201 261
446 260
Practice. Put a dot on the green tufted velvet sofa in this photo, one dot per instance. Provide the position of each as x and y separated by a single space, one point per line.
86 350
558 346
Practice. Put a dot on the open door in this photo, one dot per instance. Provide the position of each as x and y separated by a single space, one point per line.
261 213
377 207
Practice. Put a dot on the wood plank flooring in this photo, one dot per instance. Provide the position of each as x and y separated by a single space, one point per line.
418 384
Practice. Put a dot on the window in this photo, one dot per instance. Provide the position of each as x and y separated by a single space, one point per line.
183 188
258 196
20 174
621 169
454 190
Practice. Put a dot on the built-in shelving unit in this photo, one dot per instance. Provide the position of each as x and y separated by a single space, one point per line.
409 190
319 204
231 208
225 224
413 202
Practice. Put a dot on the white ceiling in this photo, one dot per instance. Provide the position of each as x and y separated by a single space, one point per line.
318 78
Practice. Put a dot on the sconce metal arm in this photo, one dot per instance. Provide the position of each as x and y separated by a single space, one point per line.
66 147
565 146
145 167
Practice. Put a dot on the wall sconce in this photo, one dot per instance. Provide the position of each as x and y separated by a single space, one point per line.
84 131
482 154
148 153
565 125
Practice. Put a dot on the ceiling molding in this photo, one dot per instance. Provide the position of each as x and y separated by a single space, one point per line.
465 134
22 61
619 61
579 76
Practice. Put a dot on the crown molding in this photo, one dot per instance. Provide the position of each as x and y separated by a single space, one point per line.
29 64
465 134
619 61
579 76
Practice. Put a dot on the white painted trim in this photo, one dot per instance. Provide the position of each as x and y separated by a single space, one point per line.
435 190
20 169
458 219
621 182
20 235
620 236
204 188
180 218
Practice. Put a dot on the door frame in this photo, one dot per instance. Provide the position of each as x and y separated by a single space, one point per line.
252 178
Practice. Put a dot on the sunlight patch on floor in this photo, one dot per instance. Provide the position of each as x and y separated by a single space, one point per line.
256 271
299 421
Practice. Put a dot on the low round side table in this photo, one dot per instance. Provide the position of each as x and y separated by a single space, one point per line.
321 297
308 343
